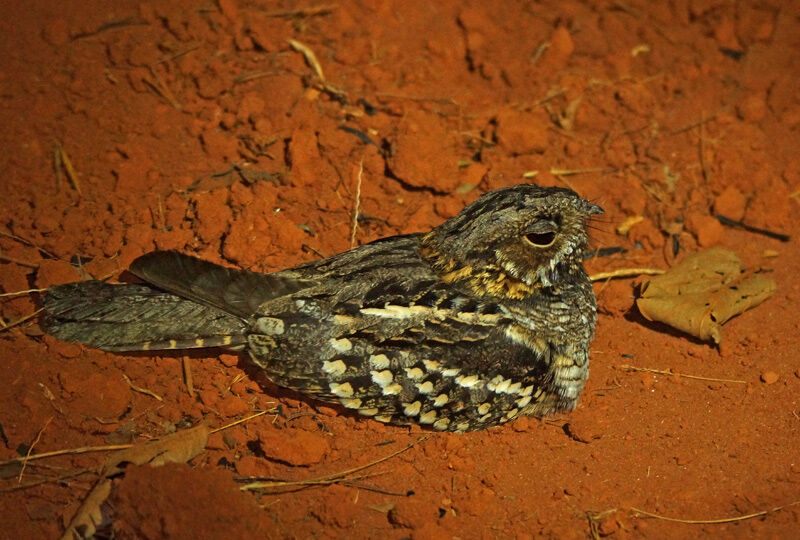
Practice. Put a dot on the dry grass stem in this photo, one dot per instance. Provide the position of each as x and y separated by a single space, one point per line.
689 127
178 54
571 172
141 390
22 293
304 12
625 272
62 159
57 479
27 243
253 75
12 324
187 375
242 421
30 449
69 451
160 88
309 55
18 261
714 521
357 205
670 372
333 478
445 101
594 519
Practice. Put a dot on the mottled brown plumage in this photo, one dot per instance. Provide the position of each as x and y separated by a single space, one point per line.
486 317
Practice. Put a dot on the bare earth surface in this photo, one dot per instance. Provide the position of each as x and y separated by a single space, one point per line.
672 111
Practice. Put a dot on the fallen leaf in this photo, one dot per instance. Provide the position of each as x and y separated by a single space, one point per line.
178 447
89 515
703 292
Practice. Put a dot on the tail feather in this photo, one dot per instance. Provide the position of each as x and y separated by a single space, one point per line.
239 292
126 317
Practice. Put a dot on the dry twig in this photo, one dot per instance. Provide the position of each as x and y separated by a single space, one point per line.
30 449
332 478
625 272
357 205
303 12
18 261
570 172
62 159
111 447
310 57
187 375
445 101
141 390
22 293
58 479
670 372
714 521
8 326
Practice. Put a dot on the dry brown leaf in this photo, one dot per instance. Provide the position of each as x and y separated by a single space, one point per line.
90 514
177 447
703 292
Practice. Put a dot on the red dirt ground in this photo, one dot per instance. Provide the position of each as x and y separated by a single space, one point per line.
673 111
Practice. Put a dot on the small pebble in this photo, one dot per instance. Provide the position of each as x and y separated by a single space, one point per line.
769 377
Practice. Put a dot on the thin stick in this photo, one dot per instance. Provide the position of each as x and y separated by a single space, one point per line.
670 372
304 12
242 421
569 172
309 55
625 272
701 146
703 120
141 390
81 450
187 375
27 243
716 521
246 77
389 95
179 54
21 293
107 448
30 449
18 261
45 481
57 167
357 205
162 89
72 176
334 477
20 320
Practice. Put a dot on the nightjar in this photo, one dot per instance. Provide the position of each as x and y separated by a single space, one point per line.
486 317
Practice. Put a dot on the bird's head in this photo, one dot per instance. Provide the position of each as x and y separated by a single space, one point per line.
513 240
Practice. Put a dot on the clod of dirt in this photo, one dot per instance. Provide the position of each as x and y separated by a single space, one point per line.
703 292
730 203
174 448
706 229
293 446
769 377
167 512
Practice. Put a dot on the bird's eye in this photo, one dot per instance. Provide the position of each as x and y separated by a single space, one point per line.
541 239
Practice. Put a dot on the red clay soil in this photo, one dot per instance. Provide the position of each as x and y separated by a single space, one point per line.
671 111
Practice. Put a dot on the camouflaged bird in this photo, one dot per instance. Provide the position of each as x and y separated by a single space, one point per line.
486 317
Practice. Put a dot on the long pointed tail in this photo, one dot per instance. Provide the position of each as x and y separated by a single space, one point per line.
126 317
